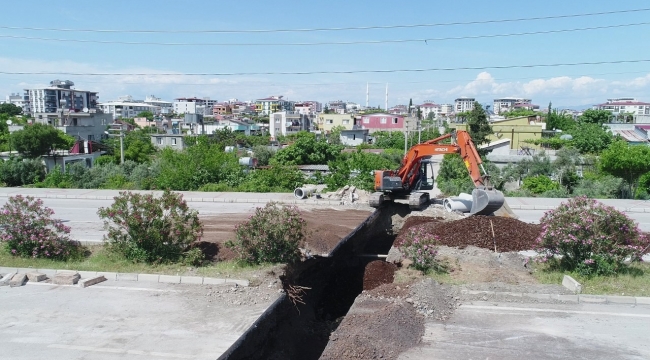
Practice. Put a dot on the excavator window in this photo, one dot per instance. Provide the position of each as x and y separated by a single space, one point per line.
425 180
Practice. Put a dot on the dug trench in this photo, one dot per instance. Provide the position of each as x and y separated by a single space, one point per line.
318 294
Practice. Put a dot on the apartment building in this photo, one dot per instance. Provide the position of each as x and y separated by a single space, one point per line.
506 104
18 100
326 122
162 107
463 104
429 107
194 105
289 122
272 104
625 106
126 107
382 122
58 96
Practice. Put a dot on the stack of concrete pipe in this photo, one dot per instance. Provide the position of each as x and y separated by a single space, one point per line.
462 203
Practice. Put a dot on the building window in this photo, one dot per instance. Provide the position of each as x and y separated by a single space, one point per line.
346 122
329 121
366 120
173 141
159 140
395 120
383 120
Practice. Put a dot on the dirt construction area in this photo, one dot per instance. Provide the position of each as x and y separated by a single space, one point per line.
404 315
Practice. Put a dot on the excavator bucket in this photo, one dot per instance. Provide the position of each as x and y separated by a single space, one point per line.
486 202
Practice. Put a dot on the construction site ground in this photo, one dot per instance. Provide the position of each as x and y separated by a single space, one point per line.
478 312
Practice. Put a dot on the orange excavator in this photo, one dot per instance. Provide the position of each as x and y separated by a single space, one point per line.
411 179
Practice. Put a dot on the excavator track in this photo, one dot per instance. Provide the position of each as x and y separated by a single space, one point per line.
418 199
376 199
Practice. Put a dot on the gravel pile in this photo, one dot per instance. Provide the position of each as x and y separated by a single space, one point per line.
486 232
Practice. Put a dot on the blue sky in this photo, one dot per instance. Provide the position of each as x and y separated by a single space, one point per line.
563 85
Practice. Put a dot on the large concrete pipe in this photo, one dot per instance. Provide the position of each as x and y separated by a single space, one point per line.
462 203
303 192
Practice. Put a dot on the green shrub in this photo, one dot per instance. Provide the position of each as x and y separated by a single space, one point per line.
599 187
539 184
272 235
221 187
19 172
104 159
278 178
144 228
591 238
28 230
420 247
57 179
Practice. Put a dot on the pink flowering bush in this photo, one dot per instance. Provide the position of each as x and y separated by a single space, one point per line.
272 235
591 238
28 230
420 247
144 228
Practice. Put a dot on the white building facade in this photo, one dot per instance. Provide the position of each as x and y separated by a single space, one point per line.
126 107
59 96
625 106
162 107
464 104
506 104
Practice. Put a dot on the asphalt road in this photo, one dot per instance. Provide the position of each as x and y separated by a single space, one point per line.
512 331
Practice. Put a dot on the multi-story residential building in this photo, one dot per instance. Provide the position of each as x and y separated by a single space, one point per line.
382 122
506 104
222 109
82 126
352 107
625 106
326 122
429 107
289 122
126 107
18 100
337 106
463 104
272 104
191 106
162 107
308 107
525 106
59 96
399 110
446 109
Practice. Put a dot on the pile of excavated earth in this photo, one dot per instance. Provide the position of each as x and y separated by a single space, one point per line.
389 315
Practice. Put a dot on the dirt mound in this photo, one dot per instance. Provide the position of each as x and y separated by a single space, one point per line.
388 291
375 329
509 234
419 220
378 272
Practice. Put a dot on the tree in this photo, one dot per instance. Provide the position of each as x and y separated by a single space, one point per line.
626 161
592 116
39 139
307 151
478 125
453 177
145 114
556 121
10 109
590 138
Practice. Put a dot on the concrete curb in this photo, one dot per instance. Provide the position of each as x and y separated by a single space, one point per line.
579 298
169 279
215 200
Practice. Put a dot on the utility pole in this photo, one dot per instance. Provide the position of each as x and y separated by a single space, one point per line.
110 133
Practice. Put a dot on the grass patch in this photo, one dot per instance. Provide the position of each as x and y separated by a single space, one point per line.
635 281
101 259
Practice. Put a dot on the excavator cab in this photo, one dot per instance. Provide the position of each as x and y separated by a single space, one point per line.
425 181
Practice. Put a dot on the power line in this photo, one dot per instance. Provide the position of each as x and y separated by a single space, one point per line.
332 28
244 83
333 71
423 40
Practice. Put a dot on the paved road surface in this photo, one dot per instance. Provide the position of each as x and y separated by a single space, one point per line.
511 331
81 214
118 320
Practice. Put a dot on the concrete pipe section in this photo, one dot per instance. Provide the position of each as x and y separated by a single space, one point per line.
462 203
304 192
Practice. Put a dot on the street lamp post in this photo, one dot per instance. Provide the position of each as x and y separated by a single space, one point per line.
121 136
9 122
